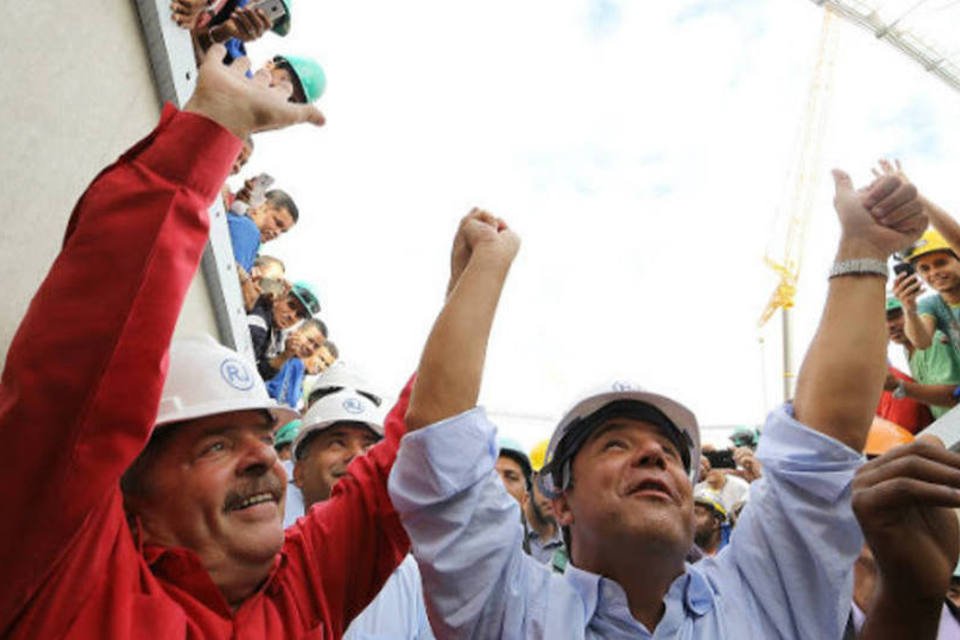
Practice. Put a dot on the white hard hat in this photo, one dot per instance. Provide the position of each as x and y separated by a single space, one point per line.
206 378
339 376
343 406
555 474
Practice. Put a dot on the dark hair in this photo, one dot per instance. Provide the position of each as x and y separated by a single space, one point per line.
323 327
282 200
523 463
315 323
332 348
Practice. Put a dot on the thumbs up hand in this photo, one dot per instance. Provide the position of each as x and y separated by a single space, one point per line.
882 218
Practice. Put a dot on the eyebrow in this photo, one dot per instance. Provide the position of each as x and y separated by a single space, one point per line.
616 425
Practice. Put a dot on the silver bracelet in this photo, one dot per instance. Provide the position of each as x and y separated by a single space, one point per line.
858 267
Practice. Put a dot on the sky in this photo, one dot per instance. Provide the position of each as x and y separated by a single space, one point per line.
643 152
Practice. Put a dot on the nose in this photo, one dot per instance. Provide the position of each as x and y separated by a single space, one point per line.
258 457
650 454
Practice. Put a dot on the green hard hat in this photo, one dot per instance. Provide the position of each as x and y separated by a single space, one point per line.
745 437
287 433
305 293
282 26
893 304
308 73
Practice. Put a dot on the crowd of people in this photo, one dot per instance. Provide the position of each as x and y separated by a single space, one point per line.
170 488
290 342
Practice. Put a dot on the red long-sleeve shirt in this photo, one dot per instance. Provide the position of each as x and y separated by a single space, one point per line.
78 399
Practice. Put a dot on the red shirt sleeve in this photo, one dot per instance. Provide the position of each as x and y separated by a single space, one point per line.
85 370
347 547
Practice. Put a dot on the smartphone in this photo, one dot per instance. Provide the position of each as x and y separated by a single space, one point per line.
722 459
274 9
903 268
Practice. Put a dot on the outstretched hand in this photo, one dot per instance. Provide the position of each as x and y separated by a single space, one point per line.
480 230
243 105
884 217
905 501
186 12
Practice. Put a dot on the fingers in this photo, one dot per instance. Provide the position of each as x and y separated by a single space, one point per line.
907 286
250 24
214 55
841 181
240 65
893 199
901 492
922 459
883 188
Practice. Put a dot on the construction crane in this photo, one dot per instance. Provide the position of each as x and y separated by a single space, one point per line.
920 29
795 211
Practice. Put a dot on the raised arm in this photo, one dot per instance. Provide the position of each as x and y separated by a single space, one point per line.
451 368
85 370
843 373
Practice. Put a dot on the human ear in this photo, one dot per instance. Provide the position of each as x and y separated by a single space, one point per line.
562 511
298 475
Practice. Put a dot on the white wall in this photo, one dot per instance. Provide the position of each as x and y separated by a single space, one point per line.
75 91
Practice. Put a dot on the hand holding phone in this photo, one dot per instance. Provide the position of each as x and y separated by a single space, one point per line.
273 9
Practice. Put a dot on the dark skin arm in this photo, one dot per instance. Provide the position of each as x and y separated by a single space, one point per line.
451 368
904 501
843 373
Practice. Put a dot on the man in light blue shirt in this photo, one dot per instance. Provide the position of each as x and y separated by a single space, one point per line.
620 467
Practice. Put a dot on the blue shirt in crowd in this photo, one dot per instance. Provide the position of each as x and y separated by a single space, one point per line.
286 386
787 572
245 238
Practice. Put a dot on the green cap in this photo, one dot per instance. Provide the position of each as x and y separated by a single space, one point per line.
282 26
287 433
893 304
305 293
745 437
307 73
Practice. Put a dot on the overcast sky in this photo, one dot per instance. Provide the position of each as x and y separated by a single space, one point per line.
641 149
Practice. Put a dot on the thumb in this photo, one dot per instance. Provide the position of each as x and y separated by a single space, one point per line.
841 181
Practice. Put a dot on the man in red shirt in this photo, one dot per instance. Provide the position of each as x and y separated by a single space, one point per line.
193 546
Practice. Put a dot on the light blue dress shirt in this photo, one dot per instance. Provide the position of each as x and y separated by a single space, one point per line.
398 612
787 572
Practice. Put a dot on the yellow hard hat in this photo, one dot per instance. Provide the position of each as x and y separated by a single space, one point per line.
538 453
885 435
930 241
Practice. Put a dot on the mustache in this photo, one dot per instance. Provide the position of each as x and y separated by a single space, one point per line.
267 483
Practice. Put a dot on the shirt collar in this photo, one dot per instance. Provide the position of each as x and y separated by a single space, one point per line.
691 589
555 541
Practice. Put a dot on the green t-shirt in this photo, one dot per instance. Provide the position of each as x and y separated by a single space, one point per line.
947 316
938 364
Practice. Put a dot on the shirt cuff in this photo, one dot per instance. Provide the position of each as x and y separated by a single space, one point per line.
443 459
806 458
192 150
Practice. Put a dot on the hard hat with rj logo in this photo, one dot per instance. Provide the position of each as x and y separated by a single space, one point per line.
617 399
343 406
206 378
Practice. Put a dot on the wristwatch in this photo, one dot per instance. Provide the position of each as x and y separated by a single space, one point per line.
901 391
